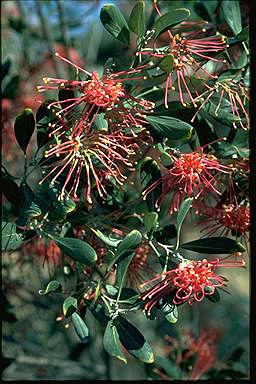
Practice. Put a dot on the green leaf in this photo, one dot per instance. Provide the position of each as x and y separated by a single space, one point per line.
77 249
150 220
231 74
115 23
9 188
133 340
129 243
111 342
167 63
10 239
137 19
184 208
122 268
153 174
81 328
111 242
171 313
212 245
170 19
232 15
53 286
24 127
30 207
98 312
69 306
170 127
244 34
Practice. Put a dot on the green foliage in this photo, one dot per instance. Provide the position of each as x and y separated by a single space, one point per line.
169 20
137 18
24 127
115 23
81 328
77 249
212 245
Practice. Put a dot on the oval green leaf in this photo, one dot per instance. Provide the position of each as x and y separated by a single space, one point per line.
77 249
24 127
69 306
53 286
232 15
10 239
170 127
133 340
115 23
212 245
112 343
81 328
170 19
150 220
137 19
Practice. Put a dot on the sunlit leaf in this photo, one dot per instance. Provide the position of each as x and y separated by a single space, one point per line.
111 342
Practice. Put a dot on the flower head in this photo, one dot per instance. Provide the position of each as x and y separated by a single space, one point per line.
106 94
186 50
46 250
229 218
100 156
189 282
191 175
230 93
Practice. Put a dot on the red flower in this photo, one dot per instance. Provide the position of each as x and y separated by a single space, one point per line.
191 175
230 92
107 93
46 250
190 281
232 219
183 51
101 156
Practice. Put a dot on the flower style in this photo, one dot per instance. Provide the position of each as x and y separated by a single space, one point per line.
232 219
107 94
191 175
203 349
184 50
230 92
45 249
189 282
101 156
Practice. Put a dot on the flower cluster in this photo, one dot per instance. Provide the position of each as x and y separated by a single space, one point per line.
84 150
187 53
189 282
190 175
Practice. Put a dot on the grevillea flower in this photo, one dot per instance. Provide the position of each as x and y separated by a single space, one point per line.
139 267
44 249
107 94
189 282
190 175
202 351
229 219
231 93
184 50
101 156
